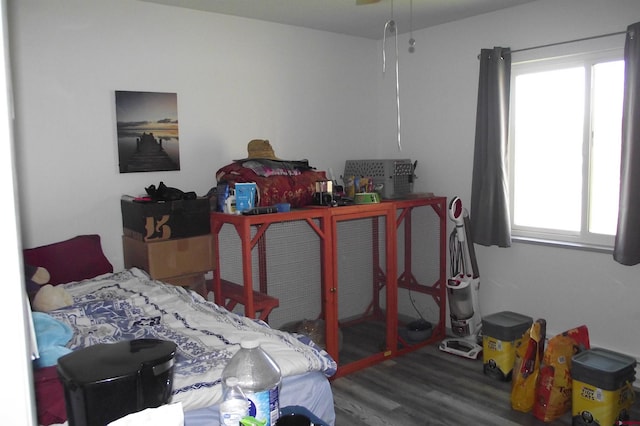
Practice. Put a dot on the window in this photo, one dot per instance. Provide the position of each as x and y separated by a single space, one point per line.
565 136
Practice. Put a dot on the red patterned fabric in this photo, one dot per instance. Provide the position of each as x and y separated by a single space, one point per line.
297 190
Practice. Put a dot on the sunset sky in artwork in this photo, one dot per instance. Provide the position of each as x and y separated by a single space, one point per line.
147 111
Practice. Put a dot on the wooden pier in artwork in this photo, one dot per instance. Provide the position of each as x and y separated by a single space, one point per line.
150 156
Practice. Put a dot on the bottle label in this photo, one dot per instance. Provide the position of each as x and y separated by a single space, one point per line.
265 406
232 411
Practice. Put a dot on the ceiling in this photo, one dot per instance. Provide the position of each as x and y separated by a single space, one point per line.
345 17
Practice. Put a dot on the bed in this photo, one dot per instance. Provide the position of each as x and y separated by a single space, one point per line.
124 305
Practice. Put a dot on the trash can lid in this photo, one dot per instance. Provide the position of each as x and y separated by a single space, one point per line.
107 361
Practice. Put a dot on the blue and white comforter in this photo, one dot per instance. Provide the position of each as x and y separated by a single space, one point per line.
130 305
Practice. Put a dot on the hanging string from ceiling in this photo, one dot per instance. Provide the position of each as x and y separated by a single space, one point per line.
390 27
412 41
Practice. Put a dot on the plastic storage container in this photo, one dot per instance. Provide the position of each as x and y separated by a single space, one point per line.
234 404
501 334
602 390
259 377
105 382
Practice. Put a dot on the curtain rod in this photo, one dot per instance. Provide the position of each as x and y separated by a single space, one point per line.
569 41
566 42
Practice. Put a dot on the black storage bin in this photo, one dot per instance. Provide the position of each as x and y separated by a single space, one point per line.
105 382
163 220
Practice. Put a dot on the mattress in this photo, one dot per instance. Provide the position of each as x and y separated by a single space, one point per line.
130 305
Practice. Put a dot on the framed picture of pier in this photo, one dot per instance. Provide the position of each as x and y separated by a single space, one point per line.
147 127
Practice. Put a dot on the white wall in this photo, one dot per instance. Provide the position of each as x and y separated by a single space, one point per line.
315 95
438 99
13 306
309 92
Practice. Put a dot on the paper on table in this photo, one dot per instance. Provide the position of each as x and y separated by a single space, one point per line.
165 415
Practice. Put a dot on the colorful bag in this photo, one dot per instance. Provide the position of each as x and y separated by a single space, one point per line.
554 387
527 366
296 188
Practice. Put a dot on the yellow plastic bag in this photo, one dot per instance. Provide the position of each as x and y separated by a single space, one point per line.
527 366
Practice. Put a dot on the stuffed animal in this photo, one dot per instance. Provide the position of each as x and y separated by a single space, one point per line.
50 298
44 297
35 277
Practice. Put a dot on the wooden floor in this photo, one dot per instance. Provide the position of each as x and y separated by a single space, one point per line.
430 387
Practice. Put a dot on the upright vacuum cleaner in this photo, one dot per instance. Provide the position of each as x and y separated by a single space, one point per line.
462 288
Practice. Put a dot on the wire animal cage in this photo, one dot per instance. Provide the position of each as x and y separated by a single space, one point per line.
395 176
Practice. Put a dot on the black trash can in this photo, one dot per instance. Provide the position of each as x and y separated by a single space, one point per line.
105 382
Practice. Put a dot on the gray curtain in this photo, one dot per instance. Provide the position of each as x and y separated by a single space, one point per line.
627 247
490 224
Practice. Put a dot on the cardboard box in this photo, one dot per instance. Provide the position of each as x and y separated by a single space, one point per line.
170 258
157 221
195 282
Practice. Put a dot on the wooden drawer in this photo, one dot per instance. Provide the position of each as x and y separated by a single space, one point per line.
170 258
